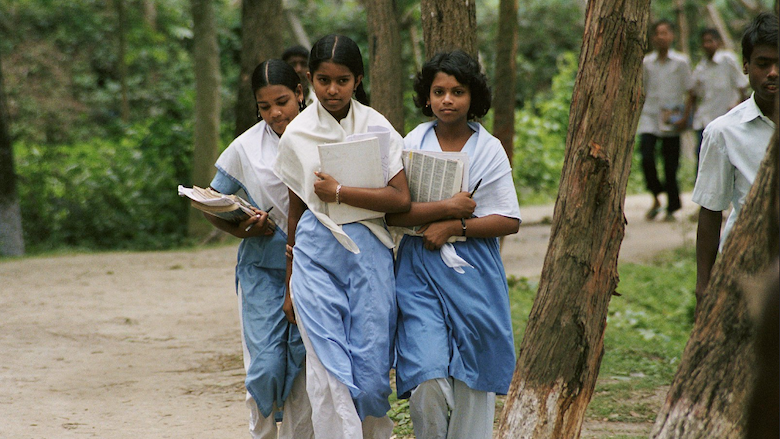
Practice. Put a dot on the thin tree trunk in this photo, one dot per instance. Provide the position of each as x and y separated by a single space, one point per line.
504 90
11 237
720 25
710 391
261 39
386 66
683 30
563 345
207 104
120 8
449 25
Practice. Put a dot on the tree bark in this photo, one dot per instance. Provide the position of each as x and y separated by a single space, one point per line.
122 31
386 66
683 30
11 237
563 345
449 25
207 104
710 391
261 39
505 72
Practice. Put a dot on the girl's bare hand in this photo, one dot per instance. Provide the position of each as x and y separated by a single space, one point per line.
257 224
436 234
288 309
461 205
325 187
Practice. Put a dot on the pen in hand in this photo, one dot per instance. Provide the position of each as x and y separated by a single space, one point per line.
249 227
471 195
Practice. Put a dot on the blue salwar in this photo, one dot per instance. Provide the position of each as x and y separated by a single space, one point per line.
451 324
346 302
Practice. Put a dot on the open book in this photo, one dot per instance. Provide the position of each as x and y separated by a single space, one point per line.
230 208
435 176
355 163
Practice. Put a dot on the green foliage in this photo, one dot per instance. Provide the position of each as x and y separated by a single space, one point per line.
540 135
103 194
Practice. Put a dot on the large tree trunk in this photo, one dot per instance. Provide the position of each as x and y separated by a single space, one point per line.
504 89
261 39
711 389
207 104
683 30
11 238
564 341
386 67
449 25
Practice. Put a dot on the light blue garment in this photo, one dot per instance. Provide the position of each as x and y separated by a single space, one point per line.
275 347
451 324
346 302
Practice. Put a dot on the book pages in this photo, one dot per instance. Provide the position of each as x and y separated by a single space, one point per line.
434 176
355 163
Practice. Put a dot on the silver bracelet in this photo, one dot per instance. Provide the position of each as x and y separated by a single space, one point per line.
338 191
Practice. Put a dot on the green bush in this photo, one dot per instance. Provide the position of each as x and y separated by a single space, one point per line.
106 193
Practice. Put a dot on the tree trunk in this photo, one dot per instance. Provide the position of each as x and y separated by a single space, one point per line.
504 89
207 104
710 391
386 66
449 25
120 9
561 352
11 238
261 39
683 30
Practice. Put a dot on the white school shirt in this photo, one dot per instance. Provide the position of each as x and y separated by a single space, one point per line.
731 153
666 84
717 85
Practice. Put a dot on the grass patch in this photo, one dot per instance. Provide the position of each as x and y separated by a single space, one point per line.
647 328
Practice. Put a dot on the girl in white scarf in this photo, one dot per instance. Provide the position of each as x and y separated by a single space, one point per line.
273 349
341 277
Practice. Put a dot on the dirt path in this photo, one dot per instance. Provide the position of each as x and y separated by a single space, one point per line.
146 345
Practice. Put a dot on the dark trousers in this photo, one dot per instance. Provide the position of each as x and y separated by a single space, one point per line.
670 152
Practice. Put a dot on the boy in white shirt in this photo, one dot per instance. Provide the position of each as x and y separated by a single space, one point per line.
667 82
719 84
734 145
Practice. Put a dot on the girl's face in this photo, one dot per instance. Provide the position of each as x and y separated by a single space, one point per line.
334 85
278 105
449 99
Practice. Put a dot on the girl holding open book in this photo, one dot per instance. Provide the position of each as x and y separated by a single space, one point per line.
455 344
273 350
341 278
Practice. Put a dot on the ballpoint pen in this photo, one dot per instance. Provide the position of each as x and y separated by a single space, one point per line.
475 188
253 224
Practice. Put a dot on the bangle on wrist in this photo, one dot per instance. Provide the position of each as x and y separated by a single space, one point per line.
338 192
463 224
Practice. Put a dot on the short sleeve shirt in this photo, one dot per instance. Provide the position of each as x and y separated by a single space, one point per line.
666 85
731 153
717 85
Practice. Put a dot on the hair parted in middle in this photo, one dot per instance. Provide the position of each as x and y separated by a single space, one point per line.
339 49
466 70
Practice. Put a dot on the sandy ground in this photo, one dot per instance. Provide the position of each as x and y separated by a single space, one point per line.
146 345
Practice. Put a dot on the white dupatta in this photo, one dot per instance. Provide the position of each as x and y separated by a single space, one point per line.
298 159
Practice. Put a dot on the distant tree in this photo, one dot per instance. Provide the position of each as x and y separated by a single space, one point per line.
504 76
563 344
711 388
11 239
261 39
386 64
207 103
449 25
121 58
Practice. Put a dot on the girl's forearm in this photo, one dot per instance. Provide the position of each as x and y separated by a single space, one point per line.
392 198
491 226
420 213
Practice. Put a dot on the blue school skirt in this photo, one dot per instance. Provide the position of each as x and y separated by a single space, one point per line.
275 347
347 304
451 324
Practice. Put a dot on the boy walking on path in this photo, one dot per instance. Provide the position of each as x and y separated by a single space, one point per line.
734 145
667 82
719 84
